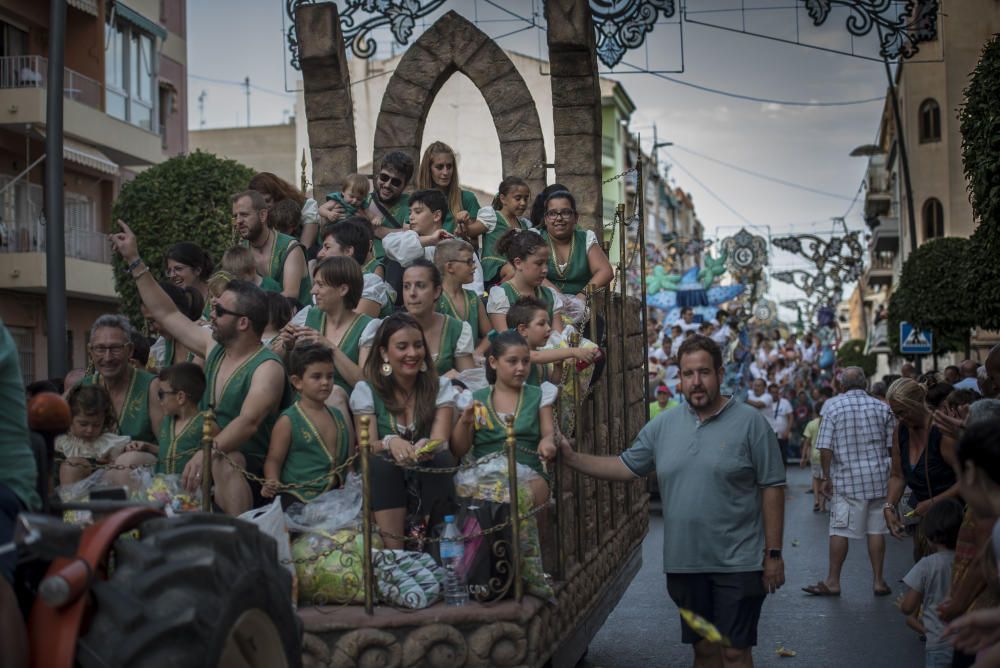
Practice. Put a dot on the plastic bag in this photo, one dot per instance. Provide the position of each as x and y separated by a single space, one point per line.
271 521
165 488
408 579
574 309
488 480
329 511
330 566
79 491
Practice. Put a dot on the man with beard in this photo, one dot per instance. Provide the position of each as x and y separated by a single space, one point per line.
246 384
277 255
721 480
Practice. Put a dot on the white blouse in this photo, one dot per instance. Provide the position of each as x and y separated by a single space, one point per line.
497 301
404 247
488 217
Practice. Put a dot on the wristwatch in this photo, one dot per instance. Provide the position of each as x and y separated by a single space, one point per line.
774 553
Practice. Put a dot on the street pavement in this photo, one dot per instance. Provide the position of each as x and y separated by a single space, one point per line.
857 629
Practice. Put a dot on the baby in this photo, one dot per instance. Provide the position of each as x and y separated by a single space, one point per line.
354 196
90 439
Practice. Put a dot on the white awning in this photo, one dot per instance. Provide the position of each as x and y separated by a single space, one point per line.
89 6
88 156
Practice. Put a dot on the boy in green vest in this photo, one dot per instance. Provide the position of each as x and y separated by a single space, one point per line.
310 440
454 260
181 388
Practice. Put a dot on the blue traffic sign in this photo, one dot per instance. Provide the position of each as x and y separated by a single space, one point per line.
913 341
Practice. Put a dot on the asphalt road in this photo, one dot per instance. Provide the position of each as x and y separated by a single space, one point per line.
856 630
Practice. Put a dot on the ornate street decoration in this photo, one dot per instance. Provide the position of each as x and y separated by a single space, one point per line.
400 15
839 258
900 29
746 254
622 24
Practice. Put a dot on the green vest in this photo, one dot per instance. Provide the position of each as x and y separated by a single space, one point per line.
450 331
134 419
542 293
577 274
309 457
349 344
177 449
487 441
231 401
283 245
401 212
492 261
169 349
539 374
386 421
268 284
447 307
469 203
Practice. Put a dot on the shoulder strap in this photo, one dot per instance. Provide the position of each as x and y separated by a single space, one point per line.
386 213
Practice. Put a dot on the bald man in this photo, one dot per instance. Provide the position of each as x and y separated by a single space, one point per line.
970 381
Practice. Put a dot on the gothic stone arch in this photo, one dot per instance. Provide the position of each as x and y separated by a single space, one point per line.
453 44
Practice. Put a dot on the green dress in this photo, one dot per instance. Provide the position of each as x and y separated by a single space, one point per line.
451 330
542 293
282 247
492 261
574 279
487 441
309 457
469 204
268 284
446 306
401 212
349 343
177 449
230 402
134 419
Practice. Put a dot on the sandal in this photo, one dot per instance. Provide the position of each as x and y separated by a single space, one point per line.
883 592
820 589
815 507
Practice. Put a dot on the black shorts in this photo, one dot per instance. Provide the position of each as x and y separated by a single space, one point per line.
731 601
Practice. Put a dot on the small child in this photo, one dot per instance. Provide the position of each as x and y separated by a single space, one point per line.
279 313
286 217
454 259
929 580
810 453
310 439
181 388
90 440
238 261
530 318
353 196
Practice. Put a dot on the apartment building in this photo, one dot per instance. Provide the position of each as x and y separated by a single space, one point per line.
125 108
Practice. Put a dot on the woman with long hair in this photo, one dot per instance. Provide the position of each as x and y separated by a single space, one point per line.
275 189
409 406
439 169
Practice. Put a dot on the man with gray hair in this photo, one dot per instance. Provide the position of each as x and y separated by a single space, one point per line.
855 440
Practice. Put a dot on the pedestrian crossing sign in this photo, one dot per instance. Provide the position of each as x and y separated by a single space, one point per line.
913 341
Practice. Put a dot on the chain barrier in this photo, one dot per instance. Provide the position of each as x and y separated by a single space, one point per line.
621 175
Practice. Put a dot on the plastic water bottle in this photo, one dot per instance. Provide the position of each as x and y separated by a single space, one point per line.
452 551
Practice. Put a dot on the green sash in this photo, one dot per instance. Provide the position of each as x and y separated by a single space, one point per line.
349 343
450 331
283 245
401 212
447 307
577 274
309 457
542 293
134 419
268 284
469 203
177 449
231 401
487 440
491 260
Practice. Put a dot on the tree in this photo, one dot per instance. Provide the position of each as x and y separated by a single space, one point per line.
852 353
931 294
186 198
980 125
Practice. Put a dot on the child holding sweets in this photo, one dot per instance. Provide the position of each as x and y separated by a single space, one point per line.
530 318
507 366
310 439
528 254
509 207
181 388
454 260
810 453
929 580
90 439
238 262
353 197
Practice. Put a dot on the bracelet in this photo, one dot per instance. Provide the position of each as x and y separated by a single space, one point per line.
133 264
889 506
136 277
385 442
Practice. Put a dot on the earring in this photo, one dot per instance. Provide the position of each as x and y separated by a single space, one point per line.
386 369
423 366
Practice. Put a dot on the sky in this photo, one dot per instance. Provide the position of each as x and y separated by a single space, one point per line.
712 132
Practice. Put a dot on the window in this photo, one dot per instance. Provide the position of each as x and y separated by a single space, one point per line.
130 74
13 40
24 342
933 219
930 121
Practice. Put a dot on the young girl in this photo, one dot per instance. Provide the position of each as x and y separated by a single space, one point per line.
529 318
506 213
450 340
90 440
508 395
439 169
409 406
528 254
454 259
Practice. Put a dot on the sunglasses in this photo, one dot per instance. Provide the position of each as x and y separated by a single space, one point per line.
221 311
392 180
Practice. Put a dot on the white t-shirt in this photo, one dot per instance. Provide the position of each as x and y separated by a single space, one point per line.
777 415
404 247
687 326
931 576
721 335
765 398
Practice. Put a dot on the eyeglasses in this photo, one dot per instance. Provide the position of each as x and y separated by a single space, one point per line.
392 180
470 262
162 393
565 214
221 311
115 350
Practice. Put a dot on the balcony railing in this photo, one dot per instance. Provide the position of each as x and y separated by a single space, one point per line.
32 72
882 261
30 238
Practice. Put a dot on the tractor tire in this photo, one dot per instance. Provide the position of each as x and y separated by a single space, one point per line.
196 590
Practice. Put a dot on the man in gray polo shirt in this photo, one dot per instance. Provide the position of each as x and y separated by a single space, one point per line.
721 480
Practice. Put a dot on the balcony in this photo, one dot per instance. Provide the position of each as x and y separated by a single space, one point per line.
24 81
880 269
885 235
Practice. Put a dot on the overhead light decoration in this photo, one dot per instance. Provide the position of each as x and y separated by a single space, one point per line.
623 24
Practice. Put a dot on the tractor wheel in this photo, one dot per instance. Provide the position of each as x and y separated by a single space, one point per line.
195 590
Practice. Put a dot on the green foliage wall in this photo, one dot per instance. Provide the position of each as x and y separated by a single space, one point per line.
852 353
186 198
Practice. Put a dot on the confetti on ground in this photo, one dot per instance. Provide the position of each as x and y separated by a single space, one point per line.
784 651
703 627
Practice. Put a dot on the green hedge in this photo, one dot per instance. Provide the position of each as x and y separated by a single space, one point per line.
186 198
852 353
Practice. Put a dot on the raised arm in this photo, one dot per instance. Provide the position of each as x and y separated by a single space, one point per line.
192 336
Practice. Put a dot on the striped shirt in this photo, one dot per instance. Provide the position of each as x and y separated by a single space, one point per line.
858 429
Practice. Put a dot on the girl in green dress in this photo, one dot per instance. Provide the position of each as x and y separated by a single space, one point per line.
575 256
507 213
508 395
408 406
528 254
450 340
439 169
